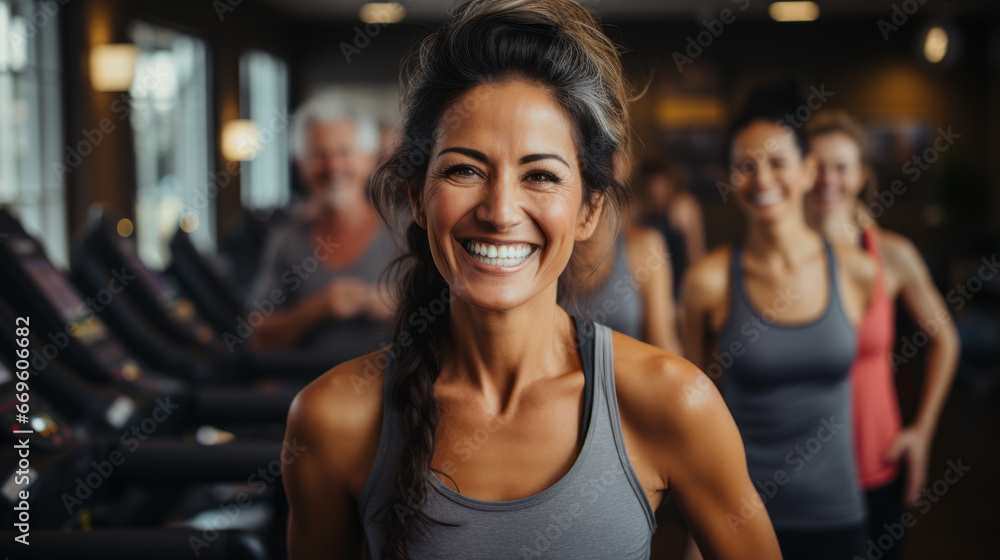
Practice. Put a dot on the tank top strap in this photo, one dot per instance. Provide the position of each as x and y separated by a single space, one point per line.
607 399
585 340
870 239
831 270
739 306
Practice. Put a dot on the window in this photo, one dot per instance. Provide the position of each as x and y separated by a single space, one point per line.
31 179
264 100
170 117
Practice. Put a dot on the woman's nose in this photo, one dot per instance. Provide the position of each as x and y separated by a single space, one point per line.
501 204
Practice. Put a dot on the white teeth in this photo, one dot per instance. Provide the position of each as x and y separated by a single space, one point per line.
499 255
768 198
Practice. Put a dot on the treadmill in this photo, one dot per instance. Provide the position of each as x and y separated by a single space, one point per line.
76 336
166 327
35 488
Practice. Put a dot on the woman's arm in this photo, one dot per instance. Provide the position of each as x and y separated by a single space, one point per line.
687 217
647 251
333 427
702 295
928 309
683 436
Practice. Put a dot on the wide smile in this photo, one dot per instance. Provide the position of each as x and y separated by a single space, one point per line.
497 257
766 198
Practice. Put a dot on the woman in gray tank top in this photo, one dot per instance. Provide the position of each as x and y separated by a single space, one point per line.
772 318
495 426
629 289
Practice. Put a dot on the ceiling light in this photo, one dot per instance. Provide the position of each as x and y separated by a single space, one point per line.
935 44
793 11
382 12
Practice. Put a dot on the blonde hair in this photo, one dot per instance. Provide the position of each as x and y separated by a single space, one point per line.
832 121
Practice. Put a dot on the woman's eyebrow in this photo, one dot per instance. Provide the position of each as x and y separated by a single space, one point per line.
480 156
536 157
474 154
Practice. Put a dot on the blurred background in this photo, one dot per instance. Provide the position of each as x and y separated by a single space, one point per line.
136 116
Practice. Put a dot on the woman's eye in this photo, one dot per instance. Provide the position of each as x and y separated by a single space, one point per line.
460 172
541 177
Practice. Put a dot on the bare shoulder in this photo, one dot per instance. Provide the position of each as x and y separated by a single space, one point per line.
684 207
898 252
857 264
339 414
644 243
707 279
643 238
660 394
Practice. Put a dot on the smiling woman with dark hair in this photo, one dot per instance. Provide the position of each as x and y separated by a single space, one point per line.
497 426
778 313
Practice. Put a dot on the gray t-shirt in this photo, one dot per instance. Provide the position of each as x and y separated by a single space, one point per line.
292 268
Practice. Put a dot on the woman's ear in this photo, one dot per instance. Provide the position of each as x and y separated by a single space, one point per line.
417 207
590 216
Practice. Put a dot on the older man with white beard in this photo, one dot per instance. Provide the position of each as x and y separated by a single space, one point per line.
321 270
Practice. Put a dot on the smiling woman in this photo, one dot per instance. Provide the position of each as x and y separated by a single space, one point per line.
499 426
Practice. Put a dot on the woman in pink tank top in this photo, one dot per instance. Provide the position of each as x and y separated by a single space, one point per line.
881 441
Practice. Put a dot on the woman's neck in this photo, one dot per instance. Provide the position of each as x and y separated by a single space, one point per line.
501 353
839 225
786 238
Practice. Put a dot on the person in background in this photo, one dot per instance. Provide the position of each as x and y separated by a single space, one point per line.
321 270
674 212
630 286
773 319
884 449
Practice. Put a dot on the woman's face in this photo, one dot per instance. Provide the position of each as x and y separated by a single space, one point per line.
771 174
840 174
503 197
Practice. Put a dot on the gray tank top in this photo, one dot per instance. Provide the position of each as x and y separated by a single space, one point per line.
787 388
596 510
616 303
289 264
